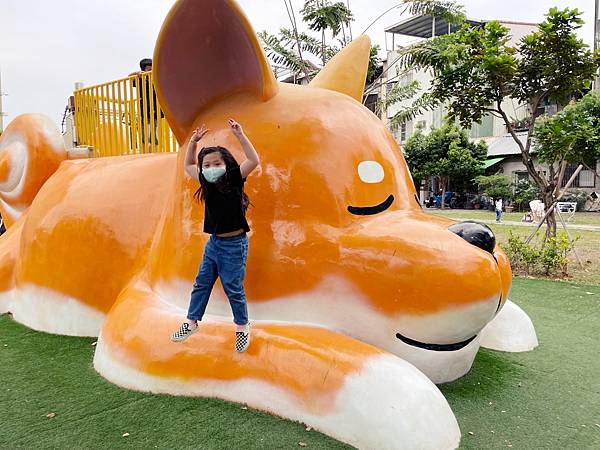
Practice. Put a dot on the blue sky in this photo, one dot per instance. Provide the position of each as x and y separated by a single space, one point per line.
46 46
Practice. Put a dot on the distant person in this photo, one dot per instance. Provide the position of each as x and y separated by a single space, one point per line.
498 210
147 115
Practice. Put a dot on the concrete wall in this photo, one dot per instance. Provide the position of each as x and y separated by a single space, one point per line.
513 164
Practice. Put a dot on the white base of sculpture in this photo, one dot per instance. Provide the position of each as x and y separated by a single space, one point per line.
510 331
389 404
52 312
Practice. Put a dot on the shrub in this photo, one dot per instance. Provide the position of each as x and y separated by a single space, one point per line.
525 192
550 259
523 257
495 186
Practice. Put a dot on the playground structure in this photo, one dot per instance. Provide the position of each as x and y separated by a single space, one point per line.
121 117
360 302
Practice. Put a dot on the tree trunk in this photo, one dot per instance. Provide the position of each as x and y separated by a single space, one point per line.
443 182
551 218
323 48
546 186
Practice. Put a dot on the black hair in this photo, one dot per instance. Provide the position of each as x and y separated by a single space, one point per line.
223 184
145 62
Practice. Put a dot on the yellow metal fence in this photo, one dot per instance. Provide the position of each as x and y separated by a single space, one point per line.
122 117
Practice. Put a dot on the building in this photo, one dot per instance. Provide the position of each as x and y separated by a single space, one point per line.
425 27
504 155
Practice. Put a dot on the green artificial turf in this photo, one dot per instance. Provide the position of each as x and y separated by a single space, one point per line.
545 399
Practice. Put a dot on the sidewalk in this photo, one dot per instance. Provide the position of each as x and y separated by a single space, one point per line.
523 224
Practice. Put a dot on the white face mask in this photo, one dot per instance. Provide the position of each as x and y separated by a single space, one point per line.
212 174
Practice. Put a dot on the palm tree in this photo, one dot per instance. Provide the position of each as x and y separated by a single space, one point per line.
322 15
288 48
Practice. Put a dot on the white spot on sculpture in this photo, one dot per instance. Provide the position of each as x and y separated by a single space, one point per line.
370 172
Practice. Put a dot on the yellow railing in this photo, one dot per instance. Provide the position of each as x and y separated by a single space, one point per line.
122 117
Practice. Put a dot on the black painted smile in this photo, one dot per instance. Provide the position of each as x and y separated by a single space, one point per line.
436 347
370 210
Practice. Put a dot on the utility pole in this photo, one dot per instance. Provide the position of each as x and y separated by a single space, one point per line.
1 110
597 40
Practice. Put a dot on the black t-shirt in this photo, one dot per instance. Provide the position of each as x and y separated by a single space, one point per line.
223 211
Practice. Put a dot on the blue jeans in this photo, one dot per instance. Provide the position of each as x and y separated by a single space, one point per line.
224 258
498 215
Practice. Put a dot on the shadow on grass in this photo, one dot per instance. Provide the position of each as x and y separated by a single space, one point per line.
491 372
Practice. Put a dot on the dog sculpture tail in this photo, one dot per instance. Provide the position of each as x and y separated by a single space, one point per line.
31 149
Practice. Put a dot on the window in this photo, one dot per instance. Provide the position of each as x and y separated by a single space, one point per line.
521 175
403 132
371 102
585 179
483 129
438 116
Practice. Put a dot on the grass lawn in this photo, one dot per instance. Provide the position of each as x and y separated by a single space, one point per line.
580 218
588 245
545 399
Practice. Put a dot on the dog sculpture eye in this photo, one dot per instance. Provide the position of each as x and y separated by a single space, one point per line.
370 172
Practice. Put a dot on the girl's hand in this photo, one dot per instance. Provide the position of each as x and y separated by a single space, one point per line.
199 133
236 128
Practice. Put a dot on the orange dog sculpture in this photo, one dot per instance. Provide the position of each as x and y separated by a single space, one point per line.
348 280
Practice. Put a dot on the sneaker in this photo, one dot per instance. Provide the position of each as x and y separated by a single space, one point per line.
242 340
185 331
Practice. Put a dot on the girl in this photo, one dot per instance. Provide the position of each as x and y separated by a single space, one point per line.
225 203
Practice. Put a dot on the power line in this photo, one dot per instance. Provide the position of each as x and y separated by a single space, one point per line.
349 23
597 40
383 14
1 110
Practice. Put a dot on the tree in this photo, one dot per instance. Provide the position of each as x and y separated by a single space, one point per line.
374 64
495 186
289 50
296 51
322 15
445 153
475 70
571 136
524 192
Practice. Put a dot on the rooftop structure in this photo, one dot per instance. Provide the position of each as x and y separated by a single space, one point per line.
426 27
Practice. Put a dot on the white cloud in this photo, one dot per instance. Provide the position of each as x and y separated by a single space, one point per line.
46 46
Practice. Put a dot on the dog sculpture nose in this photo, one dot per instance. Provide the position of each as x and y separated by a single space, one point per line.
475 233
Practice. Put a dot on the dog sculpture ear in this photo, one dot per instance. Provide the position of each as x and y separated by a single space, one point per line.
207 50
347 71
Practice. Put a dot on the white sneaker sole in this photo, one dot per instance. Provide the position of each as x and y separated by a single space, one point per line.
175 339
245 347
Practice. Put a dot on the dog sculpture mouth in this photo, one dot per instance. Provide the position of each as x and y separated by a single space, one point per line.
436 347
370 210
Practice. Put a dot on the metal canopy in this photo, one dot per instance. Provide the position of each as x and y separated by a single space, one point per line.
491 162
422 26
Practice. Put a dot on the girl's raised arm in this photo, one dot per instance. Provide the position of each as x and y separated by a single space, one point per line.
252 160
191 158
